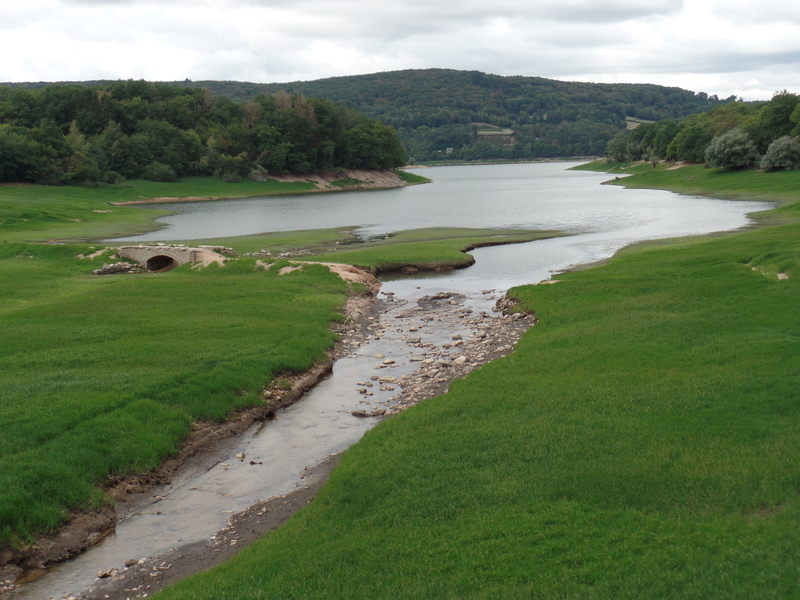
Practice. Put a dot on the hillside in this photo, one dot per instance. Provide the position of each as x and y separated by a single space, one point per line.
482 116
437 109
139 130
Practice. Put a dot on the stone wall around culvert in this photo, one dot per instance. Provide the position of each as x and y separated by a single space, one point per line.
159 258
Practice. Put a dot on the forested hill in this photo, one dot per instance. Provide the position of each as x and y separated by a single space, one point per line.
483 116
137 129
443 114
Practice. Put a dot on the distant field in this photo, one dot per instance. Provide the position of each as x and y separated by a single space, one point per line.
633 122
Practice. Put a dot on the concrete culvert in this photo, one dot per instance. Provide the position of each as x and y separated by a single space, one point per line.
161 263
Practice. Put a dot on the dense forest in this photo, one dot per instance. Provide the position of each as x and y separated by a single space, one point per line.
134 129
734 136
443 114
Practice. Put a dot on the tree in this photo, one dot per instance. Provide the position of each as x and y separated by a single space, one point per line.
783 153
20 157
732 150
774 120
617 149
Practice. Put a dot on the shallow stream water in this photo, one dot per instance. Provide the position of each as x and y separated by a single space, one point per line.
602 219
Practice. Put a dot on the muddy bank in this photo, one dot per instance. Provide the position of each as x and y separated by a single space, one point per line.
334 181
146 576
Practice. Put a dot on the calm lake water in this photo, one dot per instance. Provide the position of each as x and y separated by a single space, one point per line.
604 218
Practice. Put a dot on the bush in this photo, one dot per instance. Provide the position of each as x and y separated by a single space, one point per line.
732 150
114 177
783 153
157 171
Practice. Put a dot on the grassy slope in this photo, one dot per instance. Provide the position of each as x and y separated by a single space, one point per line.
641 442
34 213
103 375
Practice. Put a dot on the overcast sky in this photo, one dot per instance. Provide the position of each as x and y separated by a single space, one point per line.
750 48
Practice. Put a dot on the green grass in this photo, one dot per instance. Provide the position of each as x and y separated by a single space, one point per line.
429 248
425 249
412 178
103 375
317 240
34 213
643 441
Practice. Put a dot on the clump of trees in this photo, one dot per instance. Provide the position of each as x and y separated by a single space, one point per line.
732 150
136 129
733 136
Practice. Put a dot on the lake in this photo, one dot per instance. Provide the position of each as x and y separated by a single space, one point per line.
603 218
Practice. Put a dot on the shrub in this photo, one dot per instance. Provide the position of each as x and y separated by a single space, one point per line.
732 150
157 171
783 153
114 177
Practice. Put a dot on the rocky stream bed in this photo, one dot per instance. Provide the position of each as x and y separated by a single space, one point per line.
393 353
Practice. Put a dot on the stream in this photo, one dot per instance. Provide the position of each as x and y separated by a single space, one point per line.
415 337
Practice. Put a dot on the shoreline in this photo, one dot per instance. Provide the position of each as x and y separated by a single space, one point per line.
357 179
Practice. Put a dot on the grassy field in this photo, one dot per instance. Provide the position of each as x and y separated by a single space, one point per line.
103 375
36 213
423 248
780 186
643 441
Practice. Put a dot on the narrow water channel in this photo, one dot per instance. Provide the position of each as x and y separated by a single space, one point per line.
425 321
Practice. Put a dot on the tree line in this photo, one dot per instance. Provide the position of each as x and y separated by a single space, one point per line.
135 129
734 136
441 114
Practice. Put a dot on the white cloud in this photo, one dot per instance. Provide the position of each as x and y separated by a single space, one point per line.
733 47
